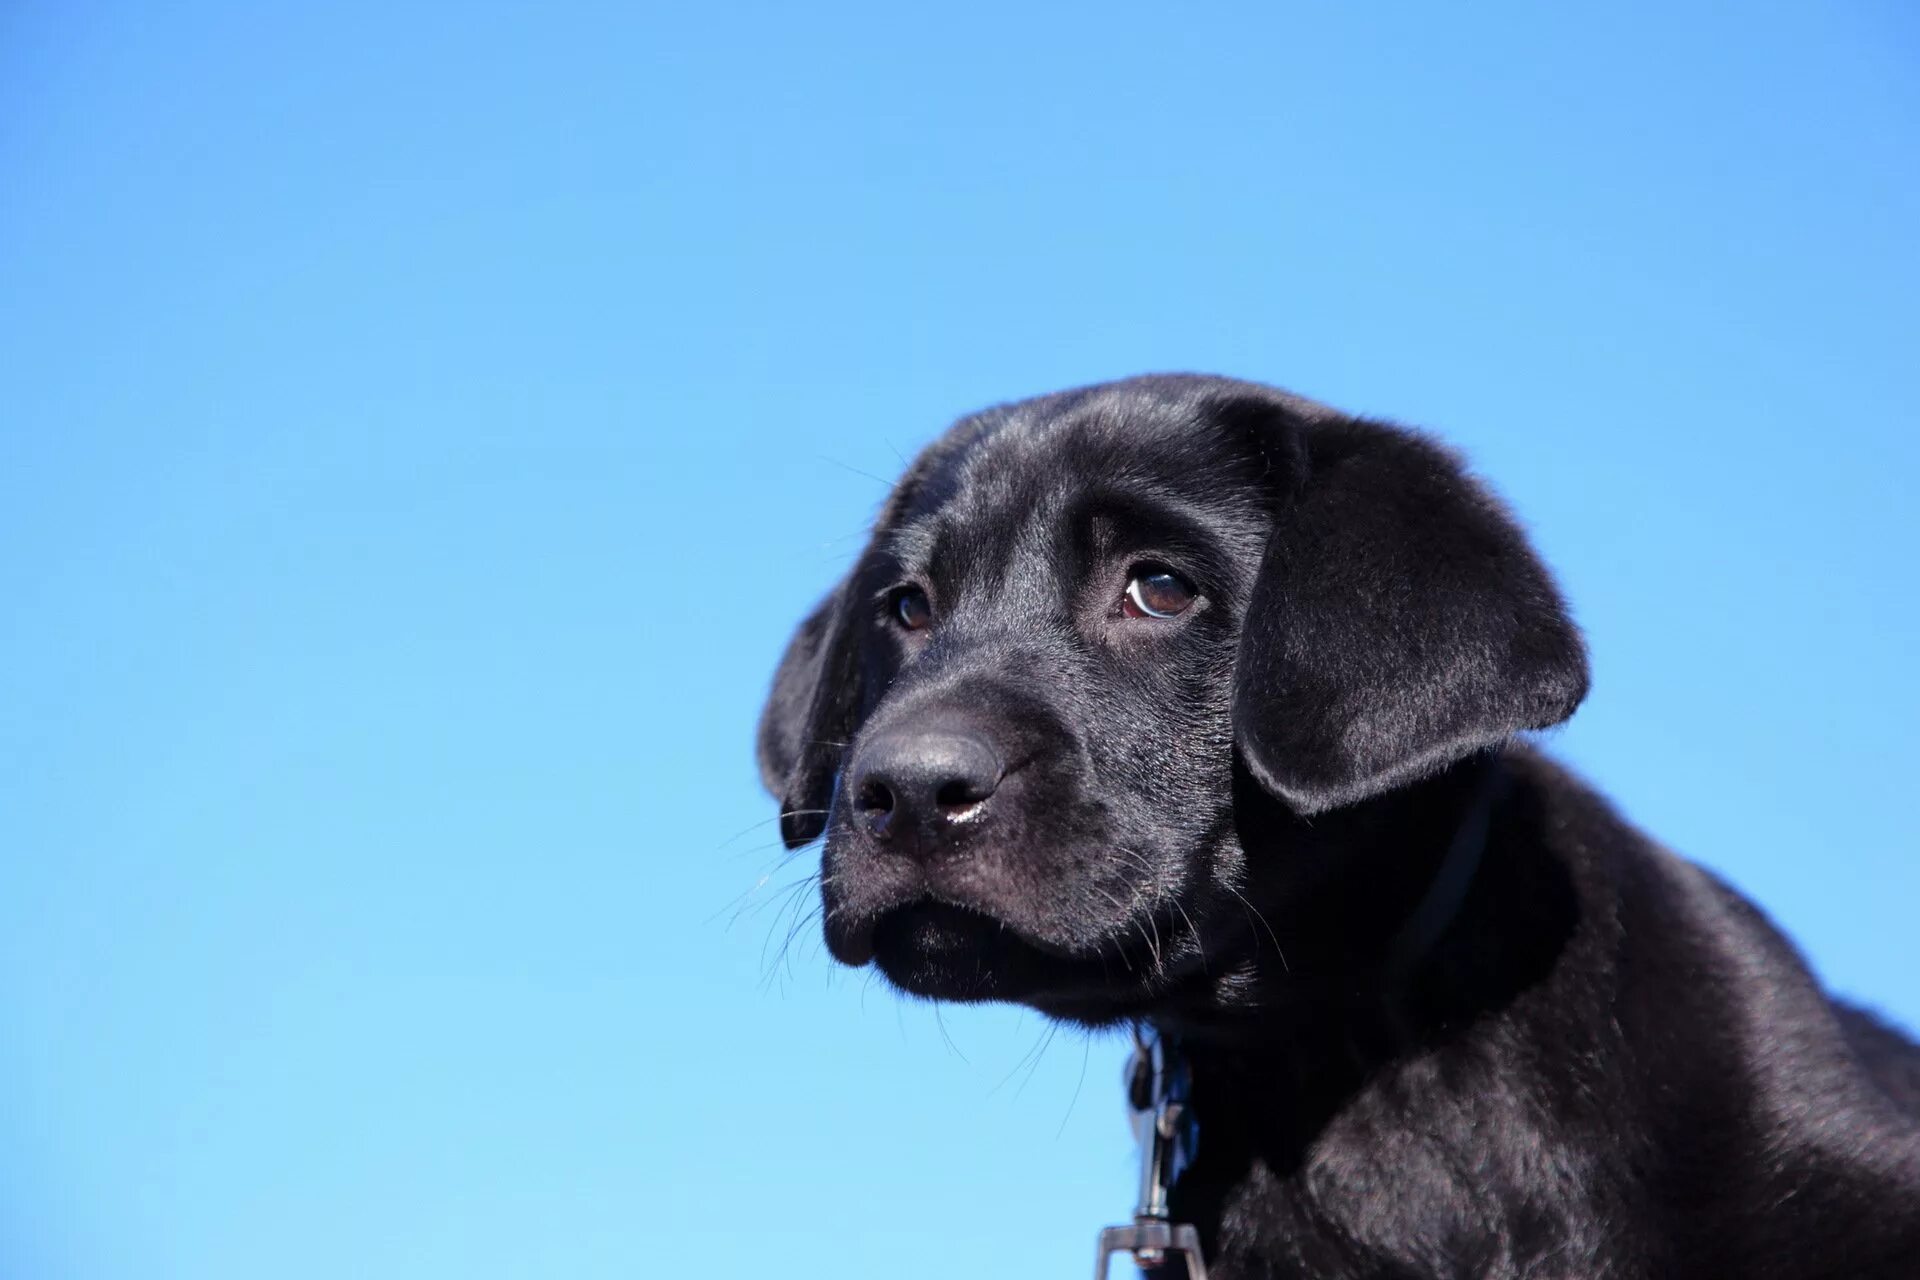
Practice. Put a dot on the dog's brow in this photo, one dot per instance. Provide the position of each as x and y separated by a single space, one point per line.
911 543
1115 518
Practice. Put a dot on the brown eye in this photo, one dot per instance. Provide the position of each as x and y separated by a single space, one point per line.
912 609
1156 593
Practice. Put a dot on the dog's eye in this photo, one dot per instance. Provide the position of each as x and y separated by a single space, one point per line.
1156 593
912 609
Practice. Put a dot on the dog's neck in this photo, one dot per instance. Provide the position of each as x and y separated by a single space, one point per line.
1372 922
1428 916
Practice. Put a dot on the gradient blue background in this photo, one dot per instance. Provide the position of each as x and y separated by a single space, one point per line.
420 428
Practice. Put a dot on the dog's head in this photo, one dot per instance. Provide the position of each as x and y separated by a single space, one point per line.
1091 630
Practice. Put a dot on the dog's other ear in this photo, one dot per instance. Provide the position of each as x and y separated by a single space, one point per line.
808 713
1399 622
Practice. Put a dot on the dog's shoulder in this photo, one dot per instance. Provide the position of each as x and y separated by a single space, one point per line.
1683 940
1888 1056
1739 1086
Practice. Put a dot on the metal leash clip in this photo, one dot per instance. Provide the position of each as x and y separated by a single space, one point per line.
1157 1084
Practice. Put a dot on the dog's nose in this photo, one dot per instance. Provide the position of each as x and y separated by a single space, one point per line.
910 784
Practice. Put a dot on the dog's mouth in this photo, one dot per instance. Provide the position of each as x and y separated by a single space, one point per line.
939 949
946 951
991 926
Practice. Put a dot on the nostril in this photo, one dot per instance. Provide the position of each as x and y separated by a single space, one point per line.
875 802
957 798
960 794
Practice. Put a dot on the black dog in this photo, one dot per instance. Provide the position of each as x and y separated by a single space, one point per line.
1190 703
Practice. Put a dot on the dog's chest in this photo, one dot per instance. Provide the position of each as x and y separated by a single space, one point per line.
1475 1193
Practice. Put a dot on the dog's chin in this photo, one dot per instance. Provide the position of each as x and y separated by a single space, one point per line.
946 952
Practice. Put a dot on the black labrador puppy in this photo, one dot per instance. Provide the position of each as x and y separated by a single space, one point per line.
1188 703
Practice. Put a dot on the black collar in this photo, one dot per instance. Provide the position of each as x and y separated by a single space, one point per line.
1451 880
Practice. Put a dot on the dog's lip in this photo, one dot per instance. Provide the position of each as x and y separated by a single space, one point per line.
855 946
939 909
972 953
852 947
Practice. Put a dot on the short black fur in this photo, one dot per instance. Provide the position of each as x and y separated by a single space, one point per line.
1608 1064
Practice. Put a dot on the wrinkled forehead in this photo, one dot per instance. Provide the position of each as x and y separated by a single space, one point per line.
1028 484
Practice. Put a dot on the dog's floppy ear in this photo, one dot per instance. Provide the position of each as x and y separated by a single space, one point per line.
809 712
1399 622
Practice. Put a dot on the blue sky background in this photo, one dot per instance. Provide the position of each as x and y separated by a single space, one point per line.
422 426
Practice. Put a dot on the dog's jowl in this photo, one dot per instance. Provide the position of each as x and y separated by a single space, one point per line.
1191 704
